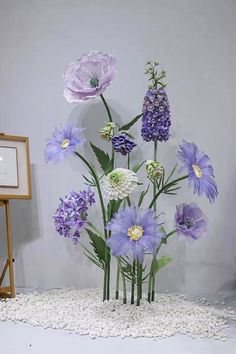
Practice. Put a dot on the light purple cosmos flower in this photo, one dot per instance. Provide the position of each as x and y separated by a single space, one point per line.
88 77
62 143
190 221
71 214
134 232
200 172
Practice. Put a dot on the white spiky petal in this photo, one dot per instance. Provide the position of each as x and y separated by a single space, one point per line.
119 183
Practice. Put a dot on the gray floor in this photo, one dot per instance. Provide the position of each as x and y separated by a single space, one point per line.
22 338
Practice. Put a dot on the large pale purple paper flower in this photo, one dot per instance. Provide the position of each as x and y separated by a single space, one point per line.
88 77
200 172
63 143
190 221
133 232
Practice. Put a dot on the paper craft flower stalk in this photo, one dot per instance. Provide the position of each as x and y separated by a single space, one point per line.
131 233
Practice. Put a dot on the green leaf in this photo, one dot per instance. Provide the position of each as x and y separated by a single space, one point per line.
142 195
171 174
99 245
113 207
160 263
137 167
103 159
131 123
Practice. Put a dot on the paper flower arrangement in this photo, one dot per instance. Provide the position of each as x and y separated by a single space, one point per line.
131 233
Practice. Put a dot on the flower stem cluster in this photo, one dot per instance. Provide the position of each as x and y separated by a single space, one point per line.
154 77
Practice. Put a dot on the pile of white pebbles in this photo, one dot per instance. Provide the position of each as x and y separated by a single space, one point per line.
83 312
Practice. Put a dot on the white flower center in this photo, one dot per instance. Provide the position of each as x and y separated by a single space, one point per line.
135 232
65 143
197 171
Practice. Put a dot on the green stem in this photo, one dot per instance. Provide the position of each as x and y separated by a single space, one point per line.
124 287
149 288
107 108
166 186
139 282
154 185
98 188
133 285
106 284
108 280
117 280
151 294
153 287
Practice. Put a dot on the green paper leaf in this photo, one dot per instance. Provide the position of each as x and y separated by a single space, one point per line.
142 195
113 207
103 159
160 263
137 167
131 123
99 245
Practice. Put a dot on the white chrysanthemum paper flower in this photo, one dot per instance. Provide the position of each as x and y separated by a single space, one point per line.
119 183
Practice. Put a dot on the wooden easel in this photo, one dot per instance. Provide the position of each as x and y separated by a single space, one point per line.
7 291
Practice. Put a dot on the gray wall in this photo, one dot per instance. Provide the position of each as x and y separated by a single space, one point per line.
195 42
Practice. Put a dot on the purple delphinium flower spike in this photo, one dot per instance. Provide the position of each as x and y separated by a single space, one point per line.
200 172
122 143
71 214
156 116
62 143
88 77
133 232
190 221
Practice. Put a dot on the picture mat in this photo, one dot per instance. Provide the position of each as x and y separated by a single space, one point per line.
23 188
8 167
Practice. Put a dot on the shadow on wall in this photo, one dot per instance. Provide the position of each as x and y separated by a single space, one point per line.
25 227
228 232
92 117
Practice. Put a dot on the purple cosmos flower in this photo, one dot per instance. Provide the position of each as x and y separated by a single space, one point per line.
71 214
190 221
200 172
88 76
156 116
133 232
62 143
122 143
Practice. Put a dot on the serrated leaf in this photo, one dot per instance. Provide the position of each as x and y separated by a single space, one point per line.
99 245
160 263
131 123
103 158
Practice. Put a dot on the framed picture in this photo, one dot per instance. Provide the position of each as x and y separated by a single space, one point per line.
15 179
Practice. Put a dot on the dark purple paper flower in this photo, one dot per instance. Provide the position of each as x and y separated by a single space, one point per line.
88 77
62 143
200 172
71 214
190 221
122 143
156 116
134 232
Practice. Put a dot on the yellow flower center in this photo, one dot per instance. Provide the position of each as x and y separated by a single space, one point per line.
65 143
135 232
197 171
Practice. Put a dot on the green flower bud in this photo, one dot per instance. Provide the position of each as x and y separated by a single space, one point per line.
107 131
154 169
